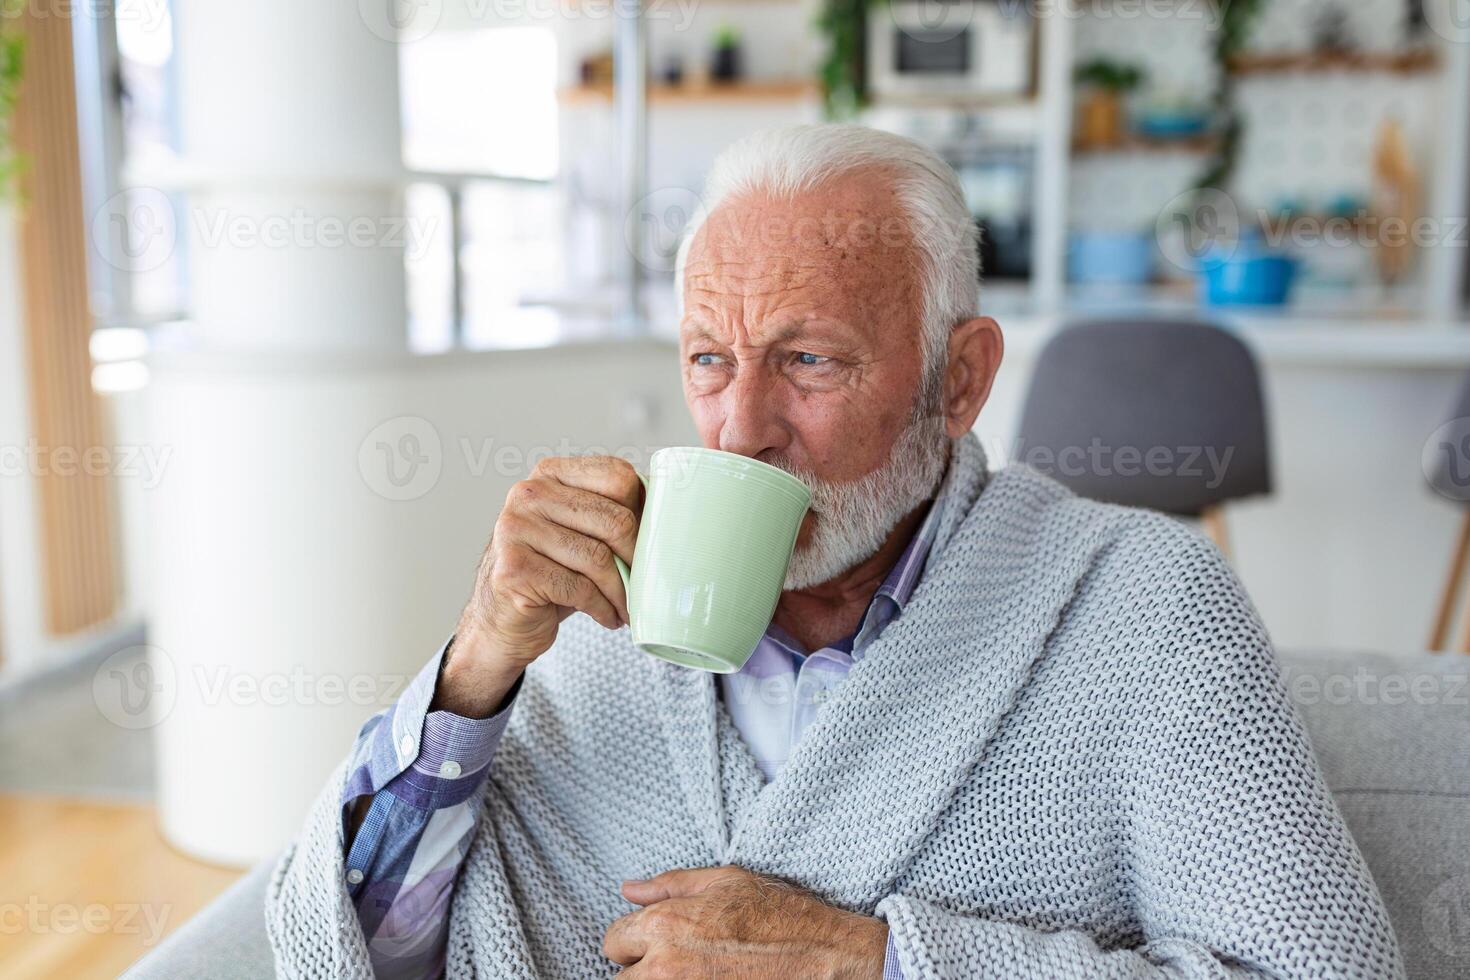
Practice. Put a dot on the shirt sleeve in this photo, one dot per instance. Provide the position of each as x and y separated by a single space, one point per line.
424 803
891 969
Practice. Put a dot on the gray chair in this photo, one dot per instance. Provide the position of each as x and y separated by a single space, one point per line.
1389 731
1149 413
1451 478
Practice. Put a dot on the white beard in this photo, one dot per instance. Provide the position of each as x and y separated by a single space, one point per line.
853 519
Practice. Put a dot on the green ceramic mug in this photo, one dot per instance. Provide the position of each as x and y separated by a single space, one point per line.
716 536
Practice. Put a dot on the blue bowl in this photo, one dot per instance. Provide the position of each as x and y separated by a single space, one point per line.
1162 124
1111 257
1248 279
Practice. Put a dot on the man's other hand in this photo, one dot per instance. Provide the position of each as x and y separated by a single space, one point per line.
729 922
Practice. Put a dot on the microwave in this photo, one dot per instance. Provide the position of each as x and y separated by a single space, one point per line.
951 48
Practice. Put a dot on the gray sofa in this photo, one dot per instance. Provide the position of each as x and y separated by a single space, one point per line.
1393 736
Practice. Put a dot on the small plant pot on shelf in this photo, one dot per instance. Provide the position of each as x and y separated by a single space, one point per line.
1100 122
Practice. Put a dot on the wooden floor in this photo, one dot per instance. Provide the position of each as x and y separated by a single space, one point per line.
86 888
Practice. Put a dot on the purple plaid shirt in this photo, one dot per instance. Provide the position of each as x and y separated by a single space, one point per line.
403 860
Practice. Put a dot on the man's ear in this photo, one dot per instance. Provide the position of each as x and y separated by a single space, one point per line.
975 350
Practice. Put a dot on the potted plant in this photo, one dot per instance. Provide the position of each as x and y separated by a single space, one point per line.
725 63
1100 105
12 51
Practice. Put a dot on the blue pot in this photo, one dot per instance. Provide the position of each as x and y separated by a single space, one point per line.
1171 124
1110 257
1248 278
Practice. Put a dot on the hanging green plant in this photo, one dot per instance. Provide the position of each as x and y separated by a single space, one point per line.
844 25
1236 17
12 61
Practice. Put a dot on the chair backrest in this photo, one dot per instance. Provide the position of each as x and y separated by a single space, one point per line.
1154 413
1451 448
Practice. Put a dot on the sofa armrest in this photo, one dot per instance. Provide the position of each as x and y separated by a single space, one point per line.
1390 733
225 941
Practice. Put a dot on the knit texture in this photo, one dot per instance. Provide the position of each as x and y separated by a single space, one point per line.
1071 756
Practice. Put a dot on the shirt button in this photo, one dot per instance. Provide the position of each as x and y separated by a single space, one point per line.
406 746
820 697
450 769
354 877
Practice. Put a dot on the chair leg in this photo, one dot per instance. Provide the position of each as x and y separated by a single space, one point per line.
1446 613
1464 645
1212 519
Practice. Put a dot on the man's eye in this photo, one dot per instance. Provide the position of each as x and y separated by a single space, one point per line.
805 358
706 360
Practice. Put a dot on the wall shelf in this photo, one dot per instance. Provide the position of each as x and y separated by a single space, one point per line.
1411 61
1203 145
659 93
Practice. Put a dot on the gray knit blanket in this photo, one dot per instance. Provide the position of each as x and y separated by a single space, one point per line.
1071 756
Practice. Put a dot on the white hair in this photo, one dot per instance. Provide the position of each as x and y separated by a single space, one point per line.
791 160
854 518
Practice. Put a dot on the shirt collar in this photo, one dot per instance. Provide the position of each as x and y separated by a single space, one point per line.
888 602
903 578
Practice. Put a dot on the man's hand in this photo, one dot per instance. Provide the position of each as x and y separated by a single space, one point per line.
729 922
551 554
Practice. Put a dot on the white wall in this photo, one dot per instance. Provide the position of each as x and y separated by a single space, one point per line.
295 575
22 635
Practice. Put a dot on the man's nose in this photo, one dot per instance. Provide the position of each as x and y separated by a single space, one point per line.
753 421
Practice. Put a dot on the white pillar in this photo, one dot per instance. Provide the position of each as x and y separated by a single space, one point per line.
275 586
293 165
22 632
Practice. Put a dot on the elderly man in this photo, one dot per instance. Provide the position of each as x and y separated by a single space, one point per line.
993 730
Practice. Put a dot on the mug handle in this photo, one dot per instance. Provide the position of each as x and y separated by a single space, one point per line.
624 572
